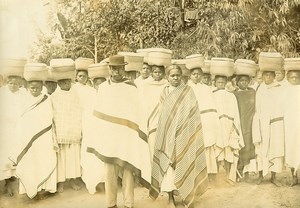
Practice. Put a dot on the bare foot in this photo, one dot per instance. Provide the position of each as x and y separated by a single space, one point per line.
276 182
259 180
74 185
60 187
295 181
230 182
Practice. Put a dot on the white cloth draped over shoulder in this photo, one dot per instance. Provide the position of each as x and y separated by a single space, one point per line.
117 138
36 155
232 137
92 167
210 123
9 113
291 123
267 128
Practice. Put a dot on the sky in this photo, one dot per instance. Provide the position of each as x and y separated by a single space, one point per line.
19 21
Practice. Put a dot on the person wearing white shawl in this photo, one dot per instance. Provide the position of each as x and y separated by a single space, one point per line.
267 128
35 156
10 108
291 119
149 94
118 141
232 138
209 118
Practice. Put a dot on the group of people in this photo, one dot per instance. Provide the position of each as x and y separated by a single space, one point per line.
170 133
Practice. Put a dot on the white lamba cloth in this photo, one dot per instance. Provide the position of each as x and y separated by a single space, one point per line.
222 66
194 61
270 61
98 70
160 57
245 67
35 71
291 64
83 63
12 67
134 61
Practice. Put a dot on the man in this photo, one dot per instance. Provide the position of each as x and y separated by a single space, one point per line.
268 135
291 119
118 141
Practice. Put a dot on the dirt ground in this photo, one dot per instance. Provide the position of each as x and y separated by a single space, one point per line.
219 195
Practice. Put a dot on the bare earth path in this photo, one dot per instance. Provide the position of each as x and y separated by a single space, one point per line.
219 195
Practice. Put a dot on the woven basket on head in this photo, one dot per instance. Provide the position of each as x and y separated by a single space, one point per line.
245 67
222 66
270 61
194 61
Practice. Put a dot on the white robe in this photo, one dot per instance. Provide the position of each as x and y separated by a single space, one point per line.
9 113
291 124
210 123
268 135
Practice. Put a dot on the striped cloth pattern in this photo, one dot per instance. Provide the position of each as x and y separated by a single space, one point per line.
179 143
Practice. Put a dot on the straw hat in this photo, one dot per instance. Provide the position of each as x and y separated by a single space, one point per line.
83 63
98 70
35 71
116 60
270 61
12 67
159 57
206 67
194 61
222 66
134 61
291 64
245 67
62 69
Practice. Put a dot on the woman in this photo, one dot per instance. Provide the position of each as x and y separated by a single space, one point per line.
246 103
179 158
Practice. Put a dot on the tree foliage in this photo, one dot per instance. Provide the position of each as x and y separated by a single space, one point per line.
229 28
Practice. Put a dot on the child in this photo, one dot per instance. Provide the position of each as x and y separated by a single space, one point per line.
10 96
36 155
67 121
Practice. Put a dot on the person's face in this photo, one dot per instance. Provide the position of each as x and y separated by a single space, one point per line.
13 84
157 74
243 83
35 88
206 79
220 82
82 77
117 73
268 77
279 75
196 76
65 84
294 78
145 72
174 77
51 86
258 77
98 81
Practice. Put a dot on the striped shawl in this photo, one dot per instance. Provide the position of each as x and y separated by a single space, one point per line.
179 143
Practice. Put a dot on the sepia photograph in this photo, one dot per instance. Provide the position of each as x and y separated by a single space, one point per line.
149 103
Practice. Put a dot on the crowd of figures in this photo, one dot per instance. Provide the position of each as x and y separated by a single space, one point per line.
170 131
